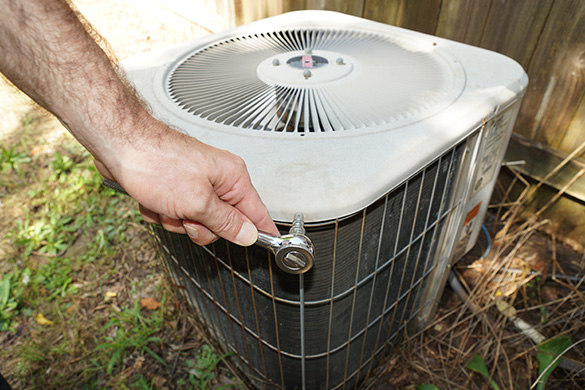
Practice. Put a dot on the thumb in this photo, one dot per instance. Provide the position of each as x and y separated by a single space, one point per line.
228 222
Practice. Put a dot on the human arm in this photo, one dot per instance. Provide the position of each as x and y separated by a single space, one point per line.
184 184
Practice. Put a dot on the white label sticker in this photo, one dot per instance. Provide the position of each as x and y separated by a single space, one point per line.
495 135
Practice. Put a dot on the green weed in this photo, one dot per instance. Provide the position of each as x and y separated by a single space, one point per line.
141 384
11 159
56 277
547 352
8 303
427 386
202 371
132 332
49 235
61 166
477 364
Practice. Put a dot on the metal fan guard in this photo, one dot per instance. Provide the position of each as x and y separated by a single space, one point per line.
313 80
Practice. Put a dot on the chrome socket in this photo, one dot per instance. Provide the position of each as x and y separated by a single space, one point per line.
294 252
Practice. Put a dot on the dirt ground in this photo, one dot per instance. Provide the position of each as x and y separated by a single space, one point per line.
439 355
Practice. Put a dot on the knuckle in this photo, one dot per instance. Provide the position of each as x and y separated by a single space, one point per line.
240 163
228 225
208 239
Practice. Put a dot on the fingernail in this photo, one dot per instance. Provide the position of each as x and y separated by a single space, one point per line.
192 231
247 235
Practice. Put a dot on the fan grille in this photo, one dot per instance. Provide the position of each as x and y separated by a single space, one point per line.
348 79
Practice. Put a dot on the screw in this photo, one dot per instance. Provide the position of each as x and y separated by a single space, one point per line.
339 61
298 224
307 73
275 62
295 260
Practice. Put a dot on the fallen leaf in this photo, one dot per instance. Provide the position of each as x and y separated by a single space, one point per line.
71 309
149 303
37 149
42 320
109 296
138 363
158 382
100 307
401 378
506 309
392 363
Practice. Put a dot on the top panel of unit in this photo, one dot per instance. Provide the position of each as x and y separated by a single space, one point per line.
328 111
314 80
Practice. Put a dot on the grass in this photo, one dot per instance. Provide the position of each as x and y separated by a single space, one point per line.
131 332
75 263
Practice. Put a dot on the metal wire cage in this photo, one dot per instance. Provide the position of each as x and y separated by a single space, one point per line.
376 273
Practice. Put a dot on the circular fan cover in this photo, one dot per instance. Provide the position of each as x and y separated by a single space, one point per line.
311 80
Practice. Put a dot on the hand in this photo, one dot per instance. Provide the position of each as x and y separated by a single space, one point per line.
189 187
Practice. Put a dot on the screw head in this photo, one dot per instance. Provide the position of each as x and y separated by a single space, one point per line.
275 62
296 254
294 260
307 73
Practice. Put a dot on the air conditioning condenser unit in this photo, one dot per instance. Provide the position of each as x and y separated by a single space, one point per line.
387 140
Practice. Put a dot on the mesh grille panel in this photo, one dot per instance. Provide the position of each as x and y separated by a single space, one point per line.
366 286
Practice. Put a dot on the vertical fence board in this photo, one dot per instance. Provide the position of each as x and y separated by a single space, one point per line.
347 7
249 11
556 71
514 27
419 15
353 7
575 134
294 5
463 20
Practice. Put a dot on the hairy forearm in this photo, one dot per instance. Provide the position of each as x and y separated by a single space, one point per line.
47 53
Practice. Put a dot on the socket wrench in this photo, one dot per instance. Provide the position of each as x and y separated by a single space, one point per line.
294 252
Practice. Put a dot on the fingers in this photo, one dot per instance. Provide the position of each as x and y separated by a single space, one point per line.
198 233
254 209
228 222
171 224
149 216
241 194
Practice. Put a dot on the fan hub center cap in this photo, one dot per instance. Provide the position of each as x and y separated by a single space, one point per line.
307 61
305 68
